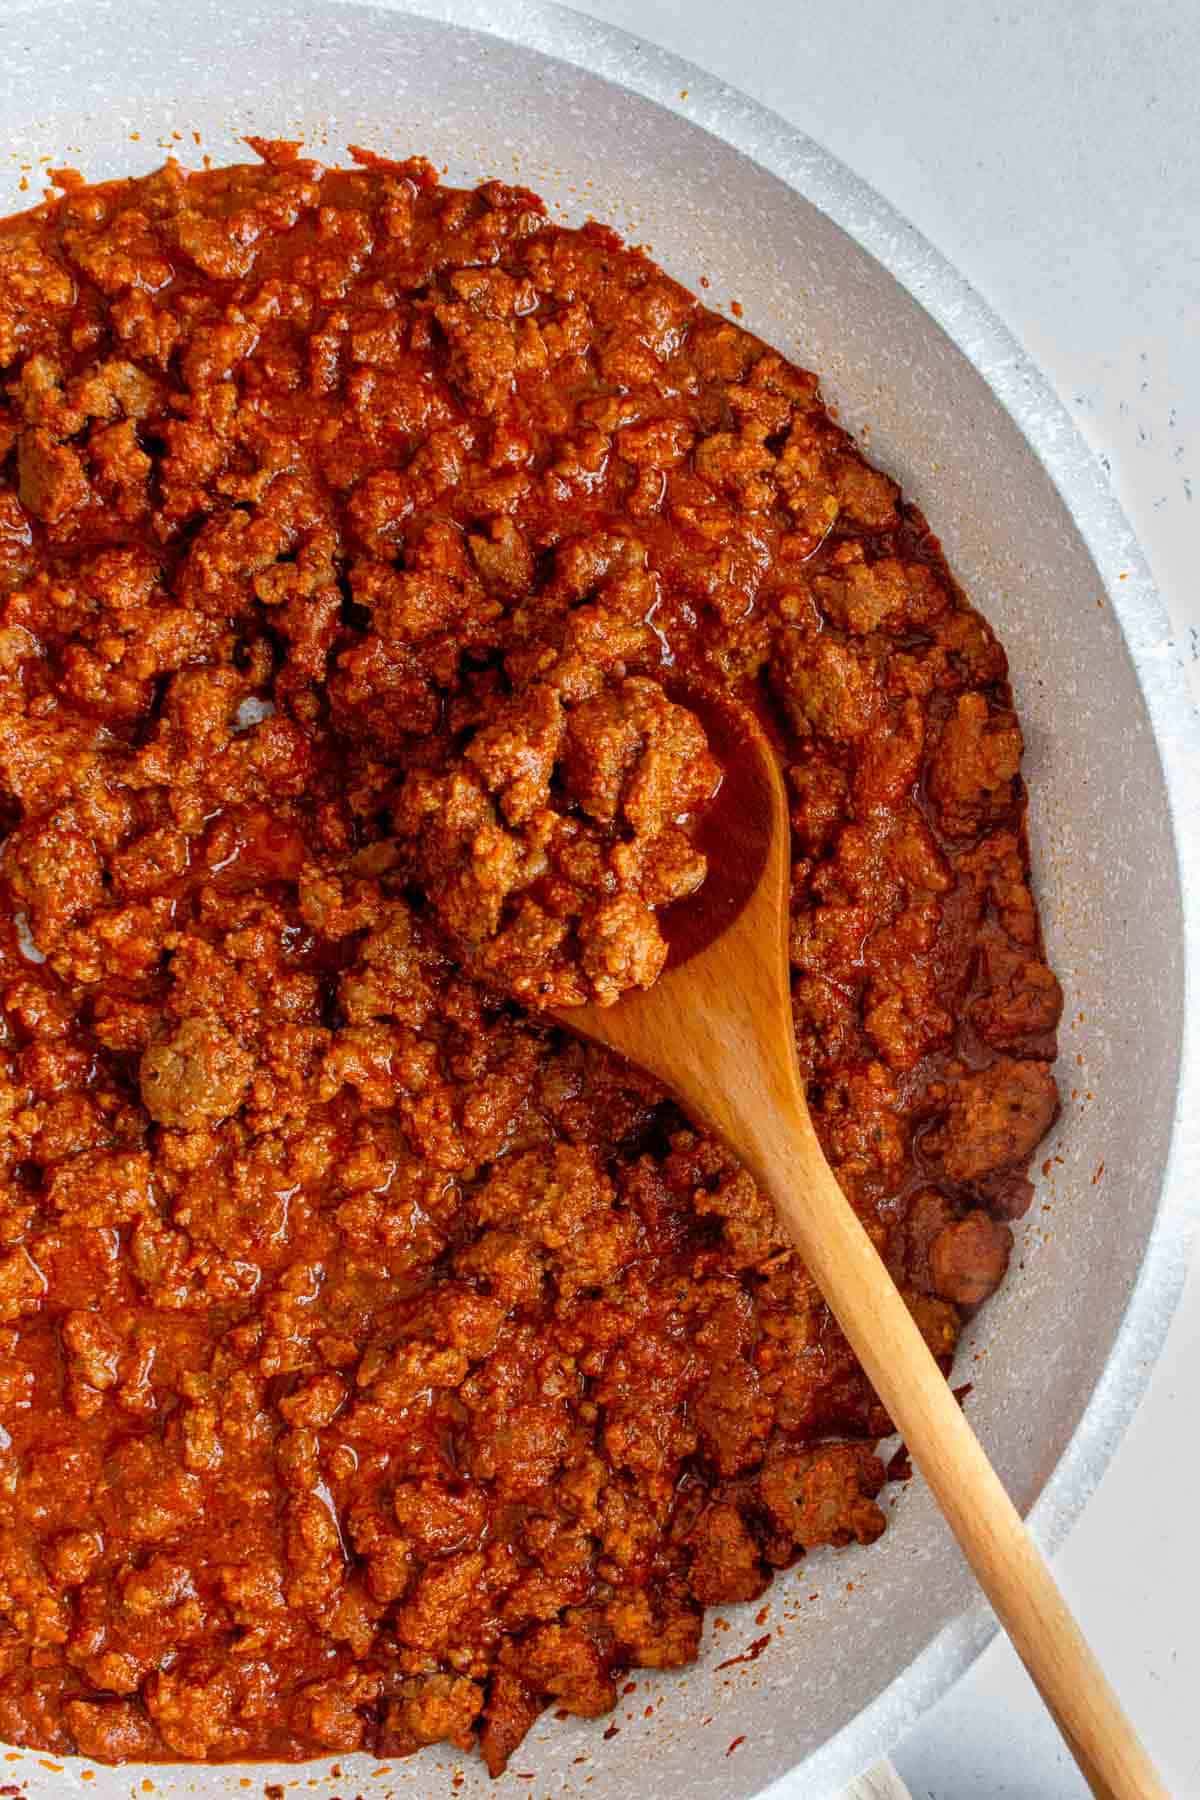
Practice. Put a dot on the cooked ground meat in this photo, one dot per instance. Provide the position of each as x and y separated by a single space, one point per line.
382 1366
969 1257
547 841
198 1076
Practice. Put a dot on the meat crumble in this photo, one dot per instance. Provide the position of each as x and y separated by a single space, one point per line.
382 1366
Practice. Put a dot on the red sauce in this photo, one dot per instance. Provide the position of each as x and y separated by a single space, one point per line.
379 1366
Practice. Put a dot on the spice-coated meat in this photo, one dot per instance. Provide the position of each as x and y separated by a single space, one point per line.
379 1366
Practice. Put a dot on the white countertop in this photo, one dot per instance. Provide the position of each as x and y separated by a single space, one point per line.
1049 149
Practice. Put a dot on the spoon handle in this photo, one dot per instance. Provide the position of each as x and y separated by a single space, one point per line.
781 1149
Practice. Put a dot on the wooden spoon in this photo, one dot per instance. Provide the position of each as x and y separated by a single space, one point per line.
717 1029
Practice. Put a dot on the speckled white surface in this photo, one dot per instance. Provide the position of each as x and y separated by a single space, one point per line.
1106 865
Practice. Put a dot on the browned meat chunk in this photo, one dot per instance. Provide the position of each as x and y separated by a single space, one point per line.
564 1663
656 1632
1022 1001
200 1074
52 479
887 595
503 558
622 947
821 800
516 753
824 1496
939 1323
974 768
636 752
968 1258
111 1731
828 688
433 1709
636 764
726 1564
995 1119
928 1212
512 1706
